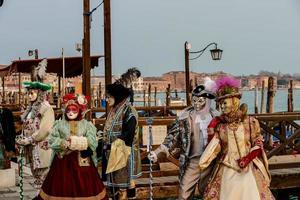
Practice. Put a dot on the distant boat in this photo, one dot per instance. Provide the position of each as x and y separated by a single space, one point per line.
177 101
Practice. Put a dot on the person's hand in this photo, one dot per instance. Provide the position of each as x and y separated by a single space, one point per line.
259 143
24 141
66 143
152 156
243 162
45 145
99 135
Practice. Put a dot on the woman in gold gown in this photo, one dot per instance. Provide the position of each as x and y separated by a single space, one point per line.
242 171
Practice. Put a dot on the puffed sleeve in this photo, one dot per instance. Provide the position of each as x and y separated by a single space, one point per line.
210 153
256 137
91 136
55 140
47 121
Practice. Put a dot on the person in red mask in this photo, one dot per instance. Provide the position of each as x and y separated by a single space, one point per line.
73 173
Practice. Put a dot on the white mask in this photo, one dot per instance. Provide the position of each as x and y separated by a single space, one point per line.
72 115
199 103
110 100
32 95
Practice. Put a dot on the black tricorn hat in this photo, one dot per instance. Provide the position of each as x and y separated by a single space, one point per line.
118 91
200 91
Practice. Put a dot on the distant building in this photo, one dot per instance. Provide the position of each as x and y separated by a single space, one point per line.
138 84
156 82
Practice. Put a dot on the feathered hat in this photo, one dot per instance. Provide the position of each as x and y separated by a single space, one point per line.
37 76
207 90
228 87
120 88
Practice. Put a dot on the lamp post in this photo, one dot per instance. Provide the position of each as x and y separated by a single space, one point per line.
34 52
216 54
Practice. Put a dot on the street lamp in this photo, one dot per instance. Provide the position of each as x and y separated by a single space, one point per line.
216 54
34 52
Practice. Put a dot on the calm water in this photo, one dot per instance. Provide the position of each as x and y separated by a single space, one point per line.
280 101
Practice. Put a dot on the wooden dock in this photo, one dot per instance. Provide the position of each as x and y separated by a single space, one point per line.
167 186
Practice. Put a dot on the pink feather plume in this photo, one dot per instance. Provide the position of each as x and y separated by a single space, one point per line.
227 81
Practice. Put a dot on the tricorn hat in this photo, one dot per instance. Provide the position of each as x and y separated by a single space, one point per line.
206 90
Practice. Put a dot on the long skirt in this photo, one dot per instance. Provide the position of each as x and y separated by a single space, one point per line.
67 180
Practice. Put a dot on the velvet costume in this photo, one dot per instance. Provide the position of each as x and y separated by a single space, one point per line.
73 174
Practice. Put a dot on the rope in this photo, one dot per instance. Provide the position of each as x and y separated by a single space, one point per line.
21 164
149 148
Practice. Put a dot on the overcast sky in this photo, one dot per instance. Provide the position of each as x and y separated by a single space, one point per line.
150 34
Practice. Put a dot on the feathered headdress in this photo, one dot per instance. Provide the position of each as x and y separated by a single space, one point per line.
128 77
207 90
228 87
37 76
39 71
120 89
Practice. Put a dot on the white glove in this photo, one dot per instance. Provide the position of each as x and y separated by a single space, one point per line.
78 143
152 156
24 141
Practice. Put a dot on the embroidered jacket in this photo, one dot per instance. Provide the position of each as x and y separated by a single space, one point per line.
178 140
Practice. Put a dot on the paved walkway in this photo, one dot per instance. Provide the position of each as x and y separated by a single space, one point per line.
12 193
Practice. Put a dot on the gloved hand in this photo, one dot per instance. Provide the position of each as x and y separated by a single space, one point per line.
45 145
24 141
244 161
66 143
152 156
78 143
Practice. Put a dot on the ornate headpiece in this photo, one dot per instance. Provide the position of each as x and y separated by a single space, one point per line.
37 76
120 89
80 101
207 90
228 87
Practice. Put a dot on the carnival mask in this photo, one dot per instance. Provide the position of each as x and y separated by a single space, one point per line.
199 103
229 105
72 112
110 100
32 95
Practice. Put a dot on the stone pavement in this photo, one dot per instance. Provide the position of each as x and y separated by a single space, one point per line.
12 193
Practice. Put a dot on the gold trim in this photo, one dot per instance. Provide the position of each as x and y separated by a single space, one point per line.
45 196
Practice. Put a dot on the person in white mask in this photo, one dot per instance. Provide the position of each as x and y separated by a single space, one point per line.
187 139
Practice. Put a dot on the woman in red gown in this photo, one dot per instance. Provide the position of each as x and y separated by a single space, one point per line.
73 174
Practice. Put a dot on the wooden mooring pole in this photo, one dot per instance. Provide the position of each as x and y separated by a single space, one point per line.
262 102
149 99
155 94
168 95
256 100
290 97
3 90
144 98
270 102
